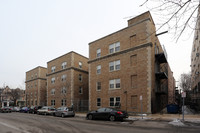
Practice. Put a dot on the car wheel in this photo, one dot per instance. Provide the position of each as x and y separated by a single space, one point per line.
62 115
90 117
112 118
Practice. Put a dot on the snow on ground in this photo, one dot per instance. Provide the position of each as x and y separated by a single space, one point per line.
176 122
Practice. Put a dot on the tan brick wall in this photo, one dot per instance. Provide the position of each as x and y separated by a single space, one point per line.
72 81
36 84
137 39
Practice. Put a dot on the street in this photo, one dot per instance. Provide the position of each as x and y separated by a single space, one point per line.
32 123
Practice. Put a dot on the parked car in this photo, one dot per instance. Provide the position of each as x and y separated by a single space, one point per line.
64 111
5 110
16 109
46 110
34 109
24 109
111 114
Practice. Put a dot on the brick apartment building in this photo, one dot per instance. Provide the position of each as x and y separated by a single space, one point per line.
195 64
128 64
67 81
36 83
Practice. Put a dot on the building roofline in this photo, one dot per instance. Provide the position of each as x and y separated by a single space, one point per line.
65 55
141 21
36 68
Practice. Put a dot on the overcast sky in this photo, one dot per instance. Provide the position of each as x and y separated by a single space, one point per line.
33 32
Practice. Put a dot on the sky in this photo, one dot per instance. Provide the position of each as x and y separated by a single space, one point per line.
33 32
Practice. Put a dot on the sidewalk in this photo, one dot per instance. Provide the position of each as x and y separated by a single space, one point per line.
159 117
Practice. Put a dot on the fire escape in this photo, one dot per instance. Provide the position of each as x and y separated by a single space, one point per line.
161 82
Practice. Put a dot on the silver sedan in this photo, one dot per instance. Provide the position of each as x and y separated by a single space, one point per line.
64 111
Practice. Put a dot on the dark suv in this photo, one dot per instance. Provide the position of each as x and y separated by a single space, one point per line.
34 109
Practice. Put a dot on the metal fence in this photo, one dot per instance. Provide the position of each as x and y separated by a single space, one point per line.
81 105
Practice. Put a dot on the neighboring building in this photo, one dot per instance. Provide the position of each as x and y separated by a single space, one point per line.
36 86
128 66
195 64
21 101
67 81
6 99
12 97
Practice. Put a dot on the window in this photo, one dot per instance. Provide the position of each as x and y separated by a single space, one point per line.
64 65
98 86
114 65
133 60
98 102
63 77
52 102
99 69
53 80
98 52
36 75
35 84
52 91
53 68
80 65
64 90
111 82
134 101
35 94
115 47
80 77
80 90
35 102
134 81
111 102
114 101
114 84
63 102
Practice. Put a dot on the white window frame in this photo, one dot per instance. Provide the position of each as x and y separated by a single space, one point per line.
99 69
63 102
113 84
53 80
80 65
63 90
53 102
53 69
114 64
98 52
98 86
115 47
98 102
80 77
80 90
53 91
114 101
64 77
64 65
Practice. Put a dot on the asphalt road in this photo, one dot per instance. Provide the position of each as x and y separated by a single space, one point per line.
32 123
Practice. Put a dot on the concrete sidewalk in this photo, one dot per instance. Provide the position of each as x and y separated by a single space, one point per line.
164 117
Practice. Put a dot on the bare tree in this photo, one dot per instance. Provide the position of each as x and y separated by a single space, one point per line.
14 94
176 16
185 81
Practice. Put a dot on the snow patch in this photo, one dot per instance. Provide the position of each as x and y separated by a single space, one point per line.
176 122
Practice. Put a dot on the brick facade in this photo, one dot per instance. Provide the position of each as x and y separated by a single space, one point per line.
67 80
36 87
122 68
